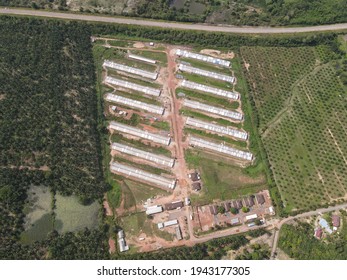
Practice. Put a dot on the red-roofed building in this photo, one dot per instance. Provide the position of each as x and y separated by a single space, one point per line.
318 233
336 221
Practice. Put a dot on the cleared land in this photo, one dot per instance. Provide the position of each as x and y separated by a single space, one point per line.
301 104
221 179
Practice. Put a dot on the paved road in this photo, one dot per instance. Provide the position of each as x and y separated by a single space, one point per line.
176 25
303 215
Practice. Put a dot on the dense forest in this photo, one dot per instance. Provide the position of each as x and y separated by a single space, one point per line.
211 250
235 12
48 115
298 242
48 131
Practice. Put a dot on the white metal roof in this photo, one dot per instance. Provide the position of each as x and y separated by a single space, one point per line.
133 86
132 103
121 234
220 148
159 159
205 73
178 233
141 58
235 221
132 70
143 176
212 109
217 128
170 223
154 209
206 58
140 133
208 89
122 245
251 217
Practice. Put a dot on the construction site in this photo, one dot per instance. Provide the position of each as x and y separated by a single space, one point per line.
157 107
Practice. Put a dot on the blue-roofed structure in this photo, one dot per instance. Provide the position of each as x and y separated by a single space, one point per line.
324 224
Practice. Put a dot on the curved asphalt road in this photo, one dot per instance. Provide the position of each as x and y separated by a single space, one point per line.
175 25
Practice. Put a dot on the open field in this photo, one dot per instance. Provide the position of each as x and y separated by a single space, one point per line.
142 192
71 215
301 104
160 57
135 193
221 180
138 224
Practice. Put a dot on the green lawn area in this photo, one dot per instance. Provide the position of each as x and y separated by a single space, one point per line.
120 43
137 223
158 56
134 193
207 66
207 81
120 56
221 179
71 215
114 194
142 192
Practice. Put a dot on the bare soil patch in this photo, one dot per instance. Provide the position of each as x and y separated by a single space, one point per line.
139 45
218 54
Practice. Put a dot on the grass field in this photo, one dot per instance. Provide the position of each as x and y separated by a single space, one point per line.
138 223
142 192
160 57
206 66
38 220
71 215
134 193
120 56
221 179
303 124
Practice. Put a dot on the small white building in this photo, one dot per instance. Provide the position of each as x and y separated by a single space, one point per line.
170 223
122 245
251 217
154 210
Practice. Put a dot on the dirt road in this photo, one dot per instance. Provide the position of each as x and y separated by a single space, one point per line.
175 25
